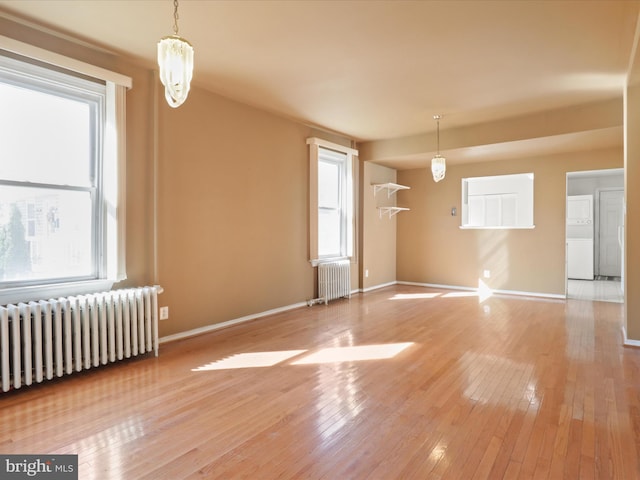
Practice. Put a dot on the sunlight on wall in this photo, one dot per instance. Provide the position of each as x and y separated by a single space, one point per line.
493 255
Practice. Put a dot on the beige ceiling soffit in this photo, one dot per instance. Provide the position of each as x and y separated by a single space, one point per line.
579 118
604 140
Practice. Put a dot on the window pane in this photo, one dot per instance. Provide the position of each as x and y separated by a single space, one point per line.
493 214
40 132
328 232
328 185
44 234
476 210
509 209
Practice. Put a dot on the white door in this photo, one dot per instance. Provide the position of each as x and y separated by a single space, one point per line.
610 211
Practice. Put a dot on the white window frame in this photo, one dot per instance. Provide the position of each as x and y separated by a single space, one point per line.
113 205
348 169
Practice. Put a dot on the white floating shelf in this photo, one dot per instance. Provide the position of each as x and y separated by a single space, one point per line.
391 211
391 188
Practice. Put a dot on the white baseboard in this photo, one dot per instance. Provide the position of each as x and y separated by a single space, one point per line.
235 321
437 285
555 296
627 342
376 287
498 292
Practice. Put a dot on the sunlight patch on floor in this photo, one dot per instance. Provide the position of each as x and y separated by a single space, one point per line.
483 292
325 355
250 360
354 354
414 296
460 294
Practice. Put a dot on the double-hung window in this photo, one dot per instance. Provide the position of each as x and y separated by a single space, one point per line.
332 200
61 149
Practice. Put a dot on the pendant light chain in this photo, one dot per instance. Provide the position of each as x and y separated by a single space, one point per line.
438 134
175 17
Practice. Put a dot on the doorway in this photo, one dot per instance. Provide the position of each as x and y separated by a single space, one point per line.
604 281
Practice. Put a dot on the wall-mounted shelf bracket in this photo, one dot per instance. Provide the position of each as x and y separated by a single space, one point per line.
391 211
391 188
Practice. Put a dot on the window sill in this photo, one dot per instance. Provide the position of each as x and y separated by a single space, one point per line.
317 261
42 292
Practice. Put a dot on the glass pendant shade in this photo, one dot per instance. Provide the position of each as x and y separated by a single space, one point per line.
438 163
175 59
438 167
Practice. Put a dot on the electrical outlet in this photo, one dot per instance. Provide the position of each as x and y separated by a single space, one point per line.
164 313
366 273
487 274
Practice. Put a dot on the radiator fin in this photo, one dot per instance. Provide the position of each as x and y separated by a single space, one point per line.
334 280
52 338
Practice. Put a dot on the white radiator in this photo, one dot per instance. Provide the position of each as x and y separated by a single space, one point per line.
334 280
51 338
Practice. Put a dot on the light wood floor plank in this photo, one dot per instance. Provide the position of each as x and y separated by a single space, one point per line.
508 388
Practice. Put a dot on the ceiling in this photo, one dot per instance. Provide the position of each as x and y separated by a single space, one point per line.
375 70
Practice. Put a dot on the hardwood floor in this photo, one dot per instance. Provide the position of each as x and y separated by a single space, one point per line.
399 383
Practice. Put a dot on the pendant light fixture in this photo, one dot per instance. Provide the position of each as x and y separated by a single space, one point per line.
175 59
438 162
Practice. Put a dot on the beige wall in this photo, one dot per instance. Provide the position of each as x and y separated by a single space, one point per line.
233 203
632 218
433 249
379 245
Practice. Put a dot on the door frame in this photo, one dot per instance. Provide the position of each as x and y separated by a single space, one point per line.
586 173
